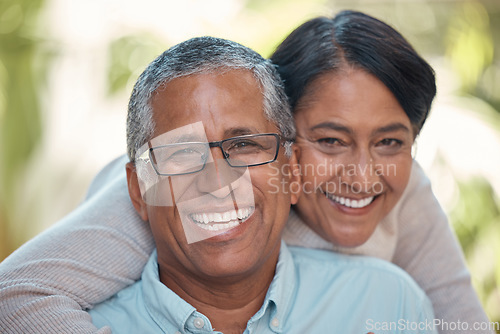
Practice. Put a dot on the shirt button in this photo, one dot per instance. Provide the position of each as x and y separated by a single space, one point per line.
275 322
199 323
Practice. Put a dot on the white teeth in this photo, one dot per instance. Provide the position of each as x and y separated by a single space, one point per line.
243 213
218 227
224 220
351 203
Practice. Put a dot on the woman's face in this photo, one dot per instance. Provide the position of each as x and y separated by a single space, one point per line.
354 144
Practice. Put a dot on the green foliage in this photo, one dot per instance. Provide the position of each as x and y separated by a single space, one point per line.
128 57
20 121
470 44
476 212
469 39
476 220
476 217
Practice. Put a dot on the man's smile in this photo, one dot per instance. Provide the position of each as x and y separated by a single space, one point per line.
216 221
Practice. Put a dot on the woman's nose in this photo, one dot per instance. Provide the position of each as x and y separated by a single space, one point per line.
360 173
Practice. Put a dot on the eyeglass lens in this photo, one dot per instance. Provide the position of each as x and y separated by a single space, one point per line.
243 151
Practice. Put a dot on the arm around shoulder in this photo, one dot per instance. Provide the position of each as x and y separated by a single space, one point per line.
87 257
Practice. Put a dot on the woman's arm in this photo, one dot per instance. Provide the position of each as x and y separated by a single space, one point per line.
97 250
428 250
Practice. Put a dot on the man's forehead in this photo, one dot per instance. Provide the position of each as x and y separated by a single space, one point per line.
231 99
197 82
187 133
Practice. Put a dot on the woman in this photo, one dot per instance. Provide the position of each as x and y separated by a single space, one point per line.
346 77
360 95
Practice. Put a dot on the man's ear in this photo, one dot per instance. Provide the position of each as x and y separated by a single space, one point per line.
135 192
295 175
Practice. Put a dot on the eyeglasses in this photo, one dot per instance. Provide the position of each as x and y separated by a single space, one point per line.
191 157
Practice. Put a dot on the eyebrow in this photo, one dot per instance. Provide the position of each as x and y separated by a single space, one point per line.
240 131
232 132
186 138
332 126
342 128
392 128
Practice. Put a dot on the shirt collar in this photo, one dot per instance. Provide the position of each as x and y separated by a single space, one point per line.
167 309
278 301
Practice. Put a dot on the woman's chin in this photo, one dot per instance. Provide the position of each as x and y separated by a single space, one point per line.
348 238
350 243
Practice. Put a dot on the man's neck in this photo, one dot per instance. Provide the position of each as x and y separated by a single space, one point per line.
228 302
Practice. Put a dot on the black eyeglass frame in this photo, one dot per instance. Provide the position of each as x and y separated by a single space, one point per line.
280 141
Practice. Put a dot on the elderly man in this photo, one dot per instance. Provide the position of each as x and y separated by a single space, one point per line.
208 127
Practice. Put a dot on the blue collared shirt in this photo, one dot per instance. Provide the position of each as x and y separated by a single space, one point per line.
313 291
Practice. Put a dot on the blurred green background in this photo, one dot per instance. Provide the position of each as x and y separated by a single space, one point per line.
67 67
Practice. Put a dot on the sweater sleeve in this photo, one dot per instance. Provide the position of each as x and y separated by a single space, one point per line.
87 257
428 250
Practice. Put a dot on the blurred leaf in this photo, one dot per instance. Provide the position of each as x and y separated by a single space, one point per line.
128 57
476 210
20 121
469 43
476 220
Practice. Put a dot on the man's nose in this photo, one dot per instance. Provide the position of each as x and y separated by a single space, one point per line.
218 178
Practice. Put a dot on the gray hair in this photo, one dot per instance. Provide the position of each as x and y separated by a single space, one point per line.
203 55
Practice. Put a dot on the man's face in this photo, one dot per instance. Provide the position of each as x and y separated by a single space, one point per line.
227 105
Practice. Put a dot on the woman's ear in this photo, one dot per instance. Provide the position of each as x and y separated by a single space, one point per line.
134 191
295 175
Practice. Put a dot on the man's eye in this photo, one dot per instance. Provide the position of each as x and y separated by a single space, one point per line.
178 155
185 152
244 145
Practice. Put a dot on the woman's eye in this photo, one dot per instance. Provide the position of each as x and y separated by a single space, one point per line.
329 141
331 145
389 146
391 142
